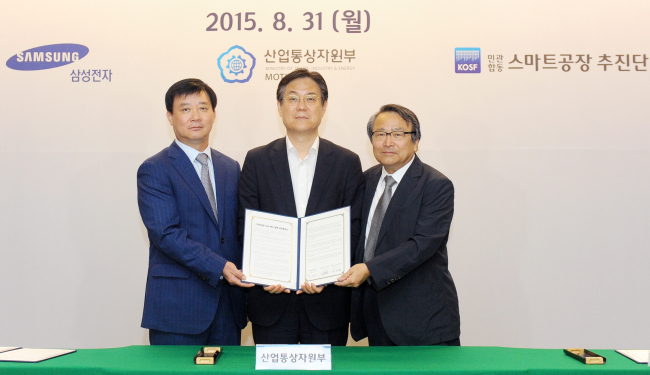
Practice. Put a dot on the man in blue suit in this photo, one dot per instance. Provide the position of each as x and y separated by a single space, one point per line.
187 195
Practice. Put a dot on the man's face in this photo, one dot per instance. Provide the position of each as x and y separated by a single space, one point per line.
302 117
392 154
192 119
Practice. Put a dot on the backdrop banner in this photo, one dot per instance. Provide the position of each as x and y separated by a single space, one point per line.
536 110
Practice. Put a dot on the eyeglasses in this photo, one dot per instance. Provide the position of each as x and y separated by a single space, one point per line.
308 99
397 136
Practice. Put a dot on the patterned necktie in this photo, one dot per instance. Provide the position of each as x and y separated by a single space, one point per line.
378 218
207 185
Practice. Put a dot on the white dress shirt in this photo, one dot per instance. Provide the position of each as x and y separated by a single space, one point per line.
192 154
302 174
397 176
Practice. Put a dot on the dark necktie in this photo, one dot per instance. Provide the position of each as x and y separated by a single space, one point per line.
378 218
207 184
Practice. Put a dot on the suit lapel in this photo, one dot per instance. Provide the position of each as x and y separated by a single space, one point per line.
406 185
220 180
371 186
184 167
280 164
324 164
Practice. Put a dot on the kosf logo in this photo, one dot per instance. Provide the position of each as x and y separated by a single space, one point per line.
468 60
47 57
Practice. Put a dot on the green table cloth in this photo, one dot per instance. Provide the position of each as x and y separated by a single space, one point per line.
345 360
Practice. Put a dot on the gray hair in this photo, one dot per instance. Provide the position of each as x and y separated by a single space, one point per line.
404 113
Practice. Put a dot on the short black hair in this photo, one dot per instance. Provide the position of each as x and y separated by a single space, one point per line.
404 113
185 87
303 73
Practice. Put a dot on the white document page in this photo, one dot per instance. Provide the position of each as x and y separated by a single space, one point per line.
324 246
8 348
32 355
270 249
638 356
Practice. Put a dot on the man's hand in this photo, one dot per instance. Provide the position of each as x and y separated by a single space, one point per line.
276 289
355 276
234 276
311 288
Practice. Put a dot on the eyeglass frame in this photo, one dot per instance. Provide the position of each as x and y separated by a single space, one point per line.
390 134
314 96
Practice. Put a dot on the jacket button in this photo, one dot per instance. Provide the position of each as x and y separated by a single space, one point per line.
223 240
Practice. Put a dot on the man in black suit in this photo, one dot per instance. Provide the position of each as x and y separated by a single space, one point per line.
301 175
404 293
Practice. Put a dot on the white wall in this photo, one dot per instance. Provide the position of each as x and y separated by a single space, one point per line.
552 169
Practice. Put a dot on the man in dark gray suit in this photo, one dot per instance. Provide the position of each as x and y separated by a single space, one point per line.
404 293
301 175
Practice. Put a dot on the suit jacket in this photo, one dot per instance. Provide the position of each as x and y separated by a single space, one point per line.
187 248
265 185
416 295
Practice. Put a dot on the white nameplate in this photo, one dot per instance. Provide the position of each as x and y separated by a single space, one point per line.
293 357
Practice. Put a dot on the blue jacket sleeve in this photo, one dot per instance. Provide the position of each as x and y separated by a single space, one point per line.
162 212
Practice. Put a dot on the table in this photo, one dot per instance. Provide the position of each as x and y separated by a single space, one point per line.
345 360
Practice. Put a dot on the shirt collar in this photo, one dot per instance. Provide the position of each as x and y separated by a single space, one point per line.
397 176
191 152
314 146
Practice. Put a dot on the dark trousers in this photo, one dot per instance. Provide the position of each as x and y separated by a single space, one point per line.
222 331
295 327
376 333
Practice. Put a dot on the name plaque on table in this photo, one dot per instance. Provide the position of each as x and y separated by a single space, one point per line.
585 356
208 355
293 357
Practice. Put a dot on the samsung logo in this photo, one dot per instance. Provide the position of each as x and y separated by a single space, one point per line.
47 57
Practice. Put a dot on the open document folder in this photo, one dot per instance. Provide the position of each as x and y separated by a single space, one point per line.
292 251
